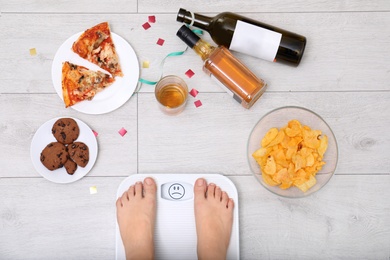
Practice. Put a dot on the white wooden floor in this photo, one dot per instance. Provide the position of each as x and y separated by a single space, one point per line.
344 76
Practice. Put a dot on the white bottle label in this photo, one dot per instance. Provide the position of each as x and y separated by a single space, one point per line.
256 41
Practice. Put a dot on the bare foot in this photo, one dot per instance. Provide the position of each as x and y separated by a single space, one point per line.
136 215
214 220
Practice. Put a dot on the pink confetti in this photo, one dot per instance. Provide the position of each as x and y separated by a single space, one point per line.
146 25
194 92
198 103
189 73
152 19
160 41
122 132
95 133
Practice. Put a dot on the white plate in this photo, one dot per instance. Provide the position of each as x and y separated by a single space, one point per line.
43 137
112 97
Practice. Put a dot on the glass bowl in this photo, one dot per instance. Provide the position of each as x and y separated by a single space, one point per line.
279 118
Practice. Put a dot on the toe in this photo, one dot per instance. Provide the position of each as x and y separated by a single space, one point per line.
138 189
225 198
218 193
119 203
150 188
230 204
200 189
211 190
130 192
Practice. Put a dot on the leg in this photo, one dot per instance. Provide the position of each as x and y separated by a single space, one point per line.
214 220
136 215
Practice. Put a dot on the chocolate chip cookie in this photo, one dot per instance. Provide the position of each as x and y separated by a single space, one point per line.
70 166
65 130
54 155
79 153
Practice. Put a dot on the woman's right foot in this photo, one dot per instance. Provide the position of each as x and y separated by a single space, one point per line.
136 215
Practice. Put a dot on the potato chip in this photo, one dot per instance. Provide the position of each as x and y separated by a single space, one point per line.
267 179
323 146
293 128
270 167
291 155
269 136
278 139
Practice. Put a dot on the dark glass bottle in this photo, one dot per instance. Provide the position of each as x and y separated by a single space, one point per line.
220 64
245 35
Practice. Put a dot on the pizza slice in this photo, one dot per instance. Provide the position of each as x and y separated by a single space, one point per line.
96 45
80 83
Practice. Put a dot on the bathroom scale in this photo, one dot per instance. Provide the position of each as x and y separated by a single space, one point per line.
175 231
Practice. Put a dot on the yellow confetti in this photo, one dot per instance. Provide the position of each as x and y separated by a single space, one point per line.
33 52
145 64
92 190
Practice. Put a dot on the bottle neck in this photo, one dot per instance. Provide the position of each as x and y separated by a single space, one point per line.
197 20
203 49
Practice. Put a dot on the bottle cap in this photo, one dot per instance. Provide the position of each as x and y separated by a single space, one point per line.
187 36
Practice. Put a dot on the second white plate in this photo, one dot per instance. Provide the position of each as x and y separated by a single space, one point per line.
43 136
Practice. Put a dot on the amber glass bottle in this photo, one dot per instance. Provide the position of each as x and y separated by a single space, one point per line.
241 34
230 73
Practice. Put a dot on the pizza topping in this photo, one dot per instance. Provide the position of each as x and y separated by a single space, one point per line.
96 45
101 37
80 83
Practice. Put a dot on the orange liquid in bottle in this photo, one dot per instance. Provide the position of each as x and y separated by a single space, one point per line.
235 76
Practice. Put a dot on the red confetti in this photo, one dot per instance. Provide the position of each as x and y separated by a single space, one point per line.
189 73
198 103
95 133
160 41
122 132
194 92
152 19
146 25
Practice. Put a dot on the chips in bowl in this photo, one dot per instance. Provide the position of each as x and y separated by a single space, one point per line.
292 152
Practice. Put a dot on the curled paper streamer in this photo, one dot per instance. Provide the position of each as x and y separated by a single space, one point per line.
172 54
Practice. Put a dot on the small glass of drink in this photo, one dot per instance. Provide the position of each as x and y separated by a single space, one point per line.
171 93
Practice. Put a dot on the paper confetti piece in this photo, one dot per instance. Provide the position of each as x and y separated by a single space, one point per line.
146 25
145 64
122 132
92 190
160 41
198 103
194 92
95 133
33 52
152 19
190 73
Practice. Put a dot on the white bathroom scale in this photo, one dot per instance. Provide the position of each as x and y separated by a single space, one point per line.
175 231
